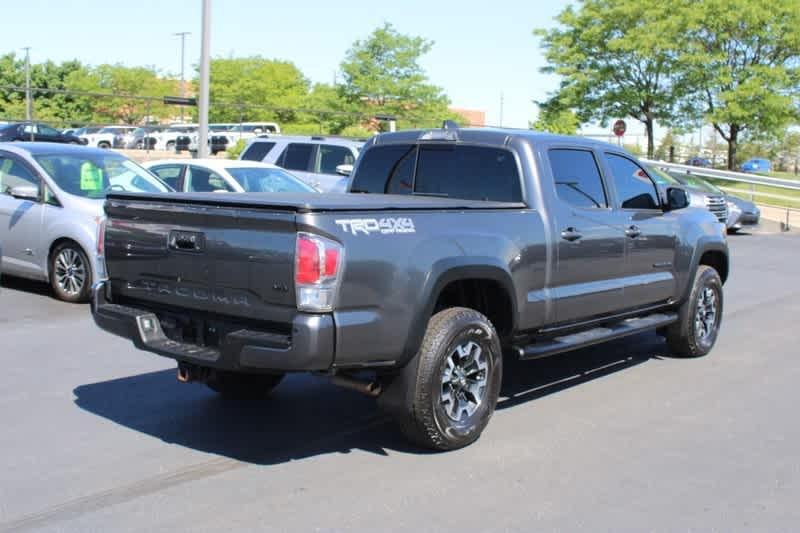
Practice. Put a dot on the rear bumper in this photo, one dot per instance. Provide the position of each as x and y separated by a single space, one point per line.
309 347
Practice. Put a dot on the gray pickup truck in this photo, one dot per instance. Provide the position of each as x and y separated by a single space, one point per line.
456 248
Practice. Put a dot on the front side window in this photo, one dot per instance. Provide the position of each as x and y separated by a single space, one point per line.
297 156
169 174
577 178
257 151
635 189
47 130
331 156
94 175
14 174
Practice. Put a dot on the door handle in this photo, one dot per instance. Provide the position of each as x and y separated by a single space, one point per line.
633 232
570 234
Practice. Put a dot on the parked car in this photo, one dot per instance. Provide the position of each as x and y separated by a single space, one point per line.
51 206
741 211
166 140
714 201
225 175
109 137
322 162
143 136
26 131
87 130
757 164
698 161
492 245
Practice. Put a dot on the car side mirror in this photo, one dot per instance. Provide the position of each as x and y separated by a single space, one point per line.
344 170
25 192
677 199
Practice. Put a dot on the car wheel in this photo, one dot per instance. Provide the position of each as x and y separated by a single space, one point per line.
104 145
454 390
243 386
70 273
699 317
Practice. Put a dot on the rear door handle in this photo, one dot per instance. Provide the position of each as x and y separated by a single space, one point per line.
633 232
570 234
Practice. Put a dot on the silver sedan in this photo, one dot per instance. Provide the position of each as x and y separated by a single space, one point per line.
51 209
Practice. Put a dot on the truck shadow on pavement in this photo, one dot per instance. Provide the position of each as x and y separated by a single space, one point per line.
306 416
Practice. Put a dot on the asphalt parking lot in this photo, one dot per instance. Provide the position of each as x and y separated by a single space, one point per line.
99 437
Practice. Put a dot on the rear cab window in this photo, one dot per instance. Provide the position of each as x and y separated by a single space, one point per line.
461 171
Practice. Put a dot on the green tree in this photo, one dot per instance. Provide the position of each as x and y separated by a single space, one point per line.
12 74
742 60
555 117
382 75
256 88
615 59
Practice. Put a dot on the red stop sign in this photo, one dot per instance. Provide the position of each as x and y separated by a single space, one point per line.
619 128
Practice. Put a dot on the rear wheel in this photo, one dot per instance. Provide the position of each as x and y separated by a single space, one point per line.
243 386
70 273
457 382
104 145
699 317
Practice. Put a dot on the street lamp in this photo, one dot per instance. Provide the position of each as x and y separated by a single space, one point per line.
182 35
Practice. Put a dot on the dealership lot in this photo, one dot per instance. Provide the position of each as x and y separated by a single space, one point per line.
98 436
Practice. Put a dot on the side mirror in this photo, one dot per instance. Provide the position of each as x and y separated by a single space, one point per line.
344 170
25 192
677 199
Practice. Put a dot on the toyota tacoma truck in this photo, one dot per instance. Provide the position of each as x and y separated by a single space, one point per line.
454 250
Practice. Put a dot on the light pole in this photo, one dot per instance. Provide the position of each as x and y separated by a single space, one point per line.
205 67
28 103
182 35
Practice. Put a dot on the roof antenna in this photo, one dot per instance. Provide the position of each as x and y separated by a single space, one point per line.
449 125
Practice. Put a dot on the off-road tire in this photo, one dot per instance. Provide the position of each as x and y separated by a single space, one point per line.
423 418
685 337
239 386
63 290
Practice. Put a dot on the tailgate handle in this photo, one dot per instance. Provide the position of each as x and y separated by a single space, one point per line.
186 241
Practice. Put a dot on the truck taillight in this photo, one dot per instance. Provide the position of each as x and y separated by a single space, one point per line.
317 272
100 267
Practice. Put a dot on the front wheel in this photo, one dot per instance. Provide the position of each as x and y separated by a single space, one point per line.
699 317
70 273
455 388
243 386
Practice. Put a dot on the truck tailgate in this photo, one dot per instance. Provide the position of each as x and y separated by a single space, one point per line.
218 260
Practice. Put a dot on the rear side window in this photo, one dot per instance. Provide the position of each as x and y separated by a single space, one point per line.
577 177
634 187
257 151
468 172
297 156
169 174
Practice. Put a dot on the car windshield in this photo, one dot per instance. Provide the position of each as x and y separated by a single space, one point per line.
699 183
94 175
661 177
255 179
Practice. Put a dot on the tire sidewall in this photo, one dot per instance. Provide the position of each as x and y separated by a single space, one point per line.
87 284
478 330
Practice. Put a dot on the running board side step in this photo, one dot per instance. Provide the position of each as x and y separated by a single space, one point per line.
582 339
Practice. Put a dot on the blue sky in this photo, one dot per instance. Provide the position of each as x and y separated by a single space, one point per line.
482 49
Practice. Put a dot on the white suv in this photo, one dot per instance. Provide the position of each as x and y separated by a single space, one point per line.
322 162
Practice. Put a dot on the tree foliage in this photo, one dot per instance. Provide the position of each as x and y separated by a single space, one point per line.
555 117
741 59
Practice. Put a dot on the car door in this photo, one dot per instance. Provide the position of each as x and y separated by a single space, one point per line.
587 278
20 219
48 134
650 234
327 158
171 174
299 158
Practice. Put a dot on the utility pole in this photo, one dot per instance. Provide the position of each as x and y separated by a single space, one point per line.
502 99
205 67
28 103
182 35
